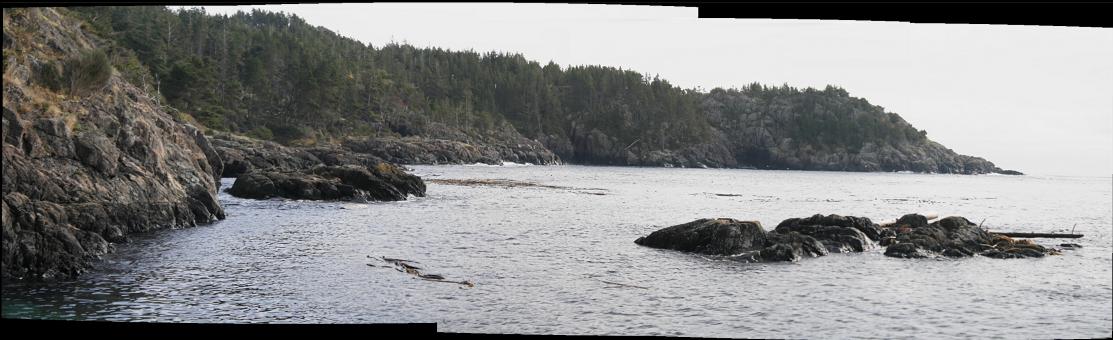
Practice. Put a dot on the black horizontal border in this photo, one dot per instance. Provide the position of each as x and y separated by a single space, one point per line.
1039 13
161 330
1083 14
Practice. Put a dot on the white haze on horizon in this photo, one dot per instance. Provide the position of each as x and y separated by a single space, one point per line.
1037 99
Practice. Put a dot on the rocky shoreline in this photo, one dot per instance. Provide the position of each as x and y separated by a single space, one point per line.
796 238
83 170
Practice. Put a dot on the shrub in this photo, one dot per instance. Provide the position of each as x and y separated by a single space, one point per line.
287 133
261 132
87 71
48 75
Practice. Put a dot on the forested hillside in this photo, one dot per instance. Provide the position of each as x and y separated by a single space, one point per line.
273 76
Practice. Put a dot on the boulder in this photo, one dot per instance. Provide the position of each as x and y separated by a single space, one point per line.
912 221
839 234
719 236
744 241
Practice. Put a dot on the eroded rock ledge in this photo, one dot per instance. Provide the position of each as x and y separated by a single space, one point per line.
796 238
384 182
266 169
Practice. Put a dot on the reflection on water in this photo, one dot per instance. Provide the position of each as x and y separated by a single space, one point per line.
542 257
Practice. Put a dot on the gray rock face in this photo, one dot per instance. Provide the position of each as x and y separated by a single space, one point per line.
83 172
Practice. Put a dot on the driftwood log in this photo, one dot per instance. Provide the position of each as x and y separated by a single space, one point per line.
1035 235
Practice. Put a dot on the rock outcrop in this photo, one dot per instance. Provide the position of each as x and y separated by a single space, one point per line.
819 235
958 237
451 146
84 170
839 234
265 169
241 155
384 182
720 236
742 240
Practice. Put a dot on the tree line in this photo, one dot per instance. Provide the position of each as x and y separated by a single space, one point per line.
274 76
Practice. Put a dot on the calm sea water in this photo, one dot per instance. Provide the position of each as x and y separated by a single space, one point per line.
539 257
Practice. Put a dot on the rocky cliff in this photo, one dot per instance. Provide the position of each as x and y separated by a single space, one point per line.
89 162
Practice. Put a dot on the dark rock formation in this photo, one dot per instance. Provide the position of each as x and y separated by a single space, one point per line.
958 237
912 221
786 247
720 236
266 169
383 182
743 240
242 154
83 171
819 235
838 233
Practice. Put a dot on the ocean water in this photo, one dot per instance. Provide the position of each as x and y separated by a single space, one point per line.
541 258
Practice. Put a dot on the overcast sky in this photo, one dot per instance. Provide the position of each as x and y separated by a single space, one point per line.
1029 98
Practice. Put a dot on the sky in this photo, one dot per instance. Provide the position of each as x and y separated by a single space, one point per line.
1038 99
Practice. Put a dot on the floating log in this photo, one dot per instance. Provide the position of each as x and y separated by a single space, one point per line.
623 284
401 266
1035 235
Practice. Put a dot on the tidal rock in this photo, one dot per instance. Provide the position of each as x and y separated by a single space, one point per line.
791 246
744 241
912 221
958 237
719 236
951 235
838 233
